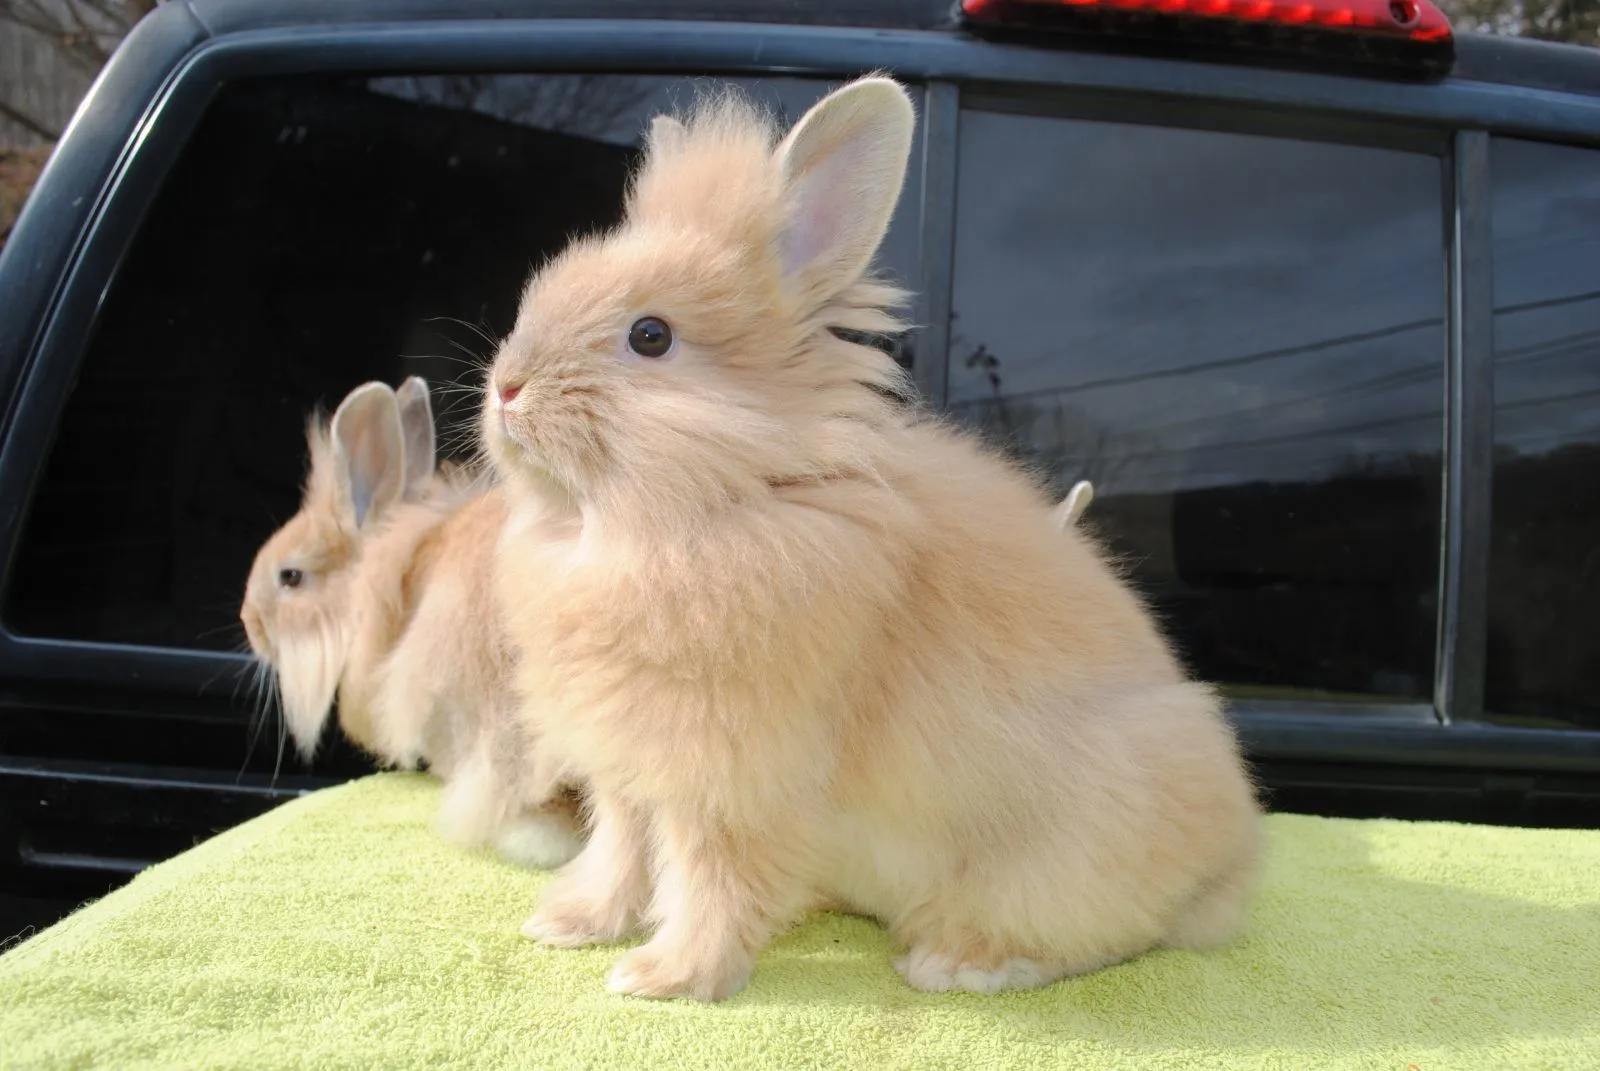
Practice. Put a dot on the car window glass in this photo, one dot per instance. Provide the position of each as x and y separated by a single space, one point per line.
1240 340
1543 665
317 232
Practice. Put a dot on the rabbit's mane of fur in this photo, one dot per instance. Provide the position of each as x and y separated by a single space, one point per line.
789 402
714 172
319 497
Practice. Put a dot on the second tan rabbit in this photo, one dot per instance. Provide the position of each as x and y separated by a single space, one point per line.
377 593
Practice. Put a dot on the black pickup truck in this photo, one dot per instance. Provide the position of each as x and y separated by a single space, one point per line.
1310 289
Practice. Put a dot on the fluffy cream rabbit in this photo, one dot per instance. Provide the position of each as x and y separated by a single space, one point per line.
806 645
378 591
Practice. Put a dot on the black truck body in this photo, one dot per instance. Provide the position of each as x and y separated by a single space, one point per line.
262 204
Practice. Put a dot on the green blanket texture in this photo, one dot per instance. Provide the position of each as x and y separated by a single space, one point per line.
339 931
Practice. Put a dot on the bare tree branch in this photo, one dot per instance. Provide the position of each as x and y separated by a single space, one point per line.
82 32
38 22
1575 21
27 122
85 38
34 6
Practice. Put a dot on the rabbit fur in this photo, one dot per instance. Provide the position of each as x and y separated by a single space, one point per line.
390 610
807 645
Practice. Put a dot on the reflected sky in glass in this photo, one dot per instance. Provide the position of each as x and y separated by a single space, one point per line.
1170 308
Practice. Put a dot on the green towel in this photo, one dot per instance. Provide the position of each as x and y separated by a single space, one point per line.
338 931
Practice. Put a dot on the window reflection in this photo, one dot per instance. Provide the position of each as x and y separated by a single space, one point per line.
1544 575
1240 340
616 109
317 232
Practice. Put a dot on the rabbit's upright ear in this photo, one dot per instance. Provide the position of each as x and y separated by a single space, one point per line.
843 165
416 427
368 454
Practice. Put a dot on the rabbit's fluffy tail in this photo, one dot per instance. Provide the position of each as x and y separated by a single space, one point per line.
480 810
546 839
1070 509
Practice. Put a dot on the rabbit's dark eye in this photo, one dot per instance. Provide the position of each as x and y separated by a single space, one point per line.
650 337
290 578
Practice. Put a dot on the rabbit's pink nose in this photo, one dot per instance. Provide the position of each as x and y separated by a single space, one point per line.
509 393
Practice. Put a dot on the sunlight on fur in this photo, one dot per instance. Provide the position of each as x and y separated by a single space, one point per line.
806 644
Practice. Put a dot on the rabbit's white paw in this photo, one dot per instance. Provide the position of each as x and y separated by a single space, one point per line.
936 972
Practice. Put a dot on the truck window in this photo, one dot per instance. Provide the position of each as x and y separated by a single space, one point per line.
317 232
1240 340
1544 559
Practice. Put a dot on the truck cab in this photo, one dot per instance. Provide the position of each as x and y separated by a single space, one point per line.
1309 291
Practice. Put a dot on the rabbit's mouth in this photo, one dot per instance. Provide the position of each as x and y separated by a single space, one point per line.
505 447
520 456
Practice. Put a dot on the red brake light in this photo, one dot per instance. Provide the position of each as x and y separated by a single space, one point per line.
1404 33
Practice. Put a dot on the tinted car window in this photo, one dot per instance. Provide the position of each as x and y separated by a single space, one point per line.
317 233
1544 574
1240 340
